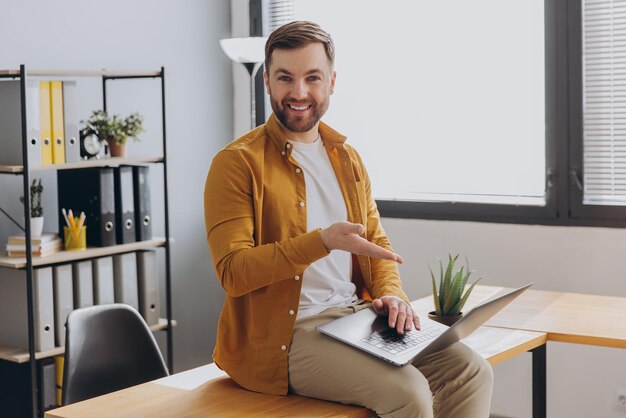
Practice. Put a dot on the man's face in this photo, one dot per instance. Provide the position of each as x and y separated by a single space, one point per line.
299 84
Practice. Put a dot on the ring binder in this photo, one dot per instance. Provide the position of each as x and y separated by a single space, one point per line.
15 332
125 278
148 283
143 212
63 290
91 191
103 292
124 205
11 122
83 284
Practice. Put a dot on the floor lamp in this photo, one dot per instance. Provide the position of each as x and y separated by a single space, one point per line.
251 53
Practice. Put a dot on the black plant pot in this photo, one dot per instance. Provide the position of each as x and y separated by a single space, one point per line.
446 320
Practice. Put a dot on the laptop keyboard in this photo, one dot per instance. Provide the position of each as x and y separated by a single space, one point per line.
394 343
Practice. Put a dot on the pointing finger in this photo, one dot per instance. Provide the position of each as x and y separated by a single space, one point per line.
372 250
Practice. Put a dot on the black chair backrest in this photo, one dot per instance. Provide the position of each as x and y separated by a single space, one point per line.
107 348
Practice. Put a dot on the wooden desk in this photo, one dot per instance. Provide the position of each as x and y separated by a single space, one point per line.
565 317
206 391
201 392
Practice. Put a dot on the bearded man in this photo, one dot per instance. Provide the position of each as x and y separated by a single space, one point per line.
296 241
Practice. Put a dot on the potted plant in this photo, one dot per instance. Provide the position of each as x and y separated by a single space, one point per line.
114 129
36 210
449 300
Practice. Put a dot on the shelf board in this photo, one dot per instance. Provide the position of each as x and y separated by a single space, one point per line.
19 355
104 162
82 73
92 252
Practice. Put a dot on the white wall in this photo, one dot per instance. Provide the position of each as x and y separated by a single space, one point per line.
143 35
581 379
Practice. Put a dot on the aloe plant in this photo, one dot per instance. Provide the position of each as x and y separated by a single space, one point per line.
449 300
36 189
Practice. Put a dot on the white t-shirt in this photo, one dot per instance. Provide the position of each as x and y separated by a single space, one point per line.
325 283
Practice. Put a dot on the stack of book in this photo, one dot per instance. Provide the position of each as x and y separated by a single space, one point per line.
40 246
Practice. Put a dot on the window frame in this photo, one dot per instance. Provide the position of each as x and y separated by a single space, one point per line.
580 211
255 10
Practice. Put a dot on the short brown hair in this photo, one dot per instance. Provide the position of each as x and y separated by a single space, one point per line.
297 35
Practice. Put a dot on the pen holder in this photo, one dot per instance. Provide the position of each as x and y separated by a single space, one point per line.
75 242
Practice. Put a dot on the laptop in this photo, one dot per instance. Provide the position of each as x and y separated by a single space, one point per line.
370 332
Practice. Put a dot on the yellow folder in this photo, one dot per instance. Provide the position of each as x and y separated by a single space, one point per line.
59 362
46 125
58 134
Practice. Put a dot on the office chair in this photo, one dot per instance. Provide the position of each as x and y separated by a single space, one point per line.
107 348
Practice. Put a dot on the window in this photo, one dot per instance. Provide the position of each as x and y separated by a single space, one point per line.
604 102
454 99
598 111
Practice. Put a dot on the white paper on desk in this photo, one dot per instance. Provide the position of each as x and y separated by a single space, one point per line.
191 379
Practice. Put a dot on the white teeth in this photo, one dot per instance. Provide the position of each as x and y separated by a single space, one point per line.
298 107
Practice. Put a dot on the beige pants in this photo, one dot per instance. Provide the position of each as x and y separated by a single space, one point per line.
452 383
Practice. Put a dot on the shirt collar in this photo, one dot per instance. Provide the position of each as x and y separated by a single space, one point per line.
328 134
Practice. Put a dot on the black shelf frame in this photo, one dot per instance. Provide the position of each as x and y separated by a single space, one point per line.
34 375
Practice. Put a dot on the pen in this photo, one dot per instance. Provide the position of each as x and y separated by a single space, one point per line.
73 225
81 220
67 221
71 219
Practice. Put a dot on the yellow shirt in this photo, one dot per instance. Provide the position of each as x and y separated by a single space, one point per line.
255 215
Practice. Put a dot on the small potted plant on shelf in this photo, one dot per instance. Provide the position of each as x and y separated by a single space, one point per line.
36 210
450 299
114 129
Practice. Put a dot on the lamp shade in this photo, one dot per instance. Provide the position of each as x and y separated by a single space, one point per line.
244 50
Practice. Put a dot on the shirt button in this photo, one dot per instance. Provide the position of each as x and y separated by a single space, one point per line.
282 152
301 204
283 347
298 170
288 146
291 312
297 278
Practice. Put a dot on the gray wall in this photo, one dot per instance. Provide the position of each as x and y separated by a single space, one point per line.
143 35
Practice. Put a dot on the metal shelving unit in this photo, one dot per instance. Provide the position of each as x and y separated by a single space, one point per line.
27 263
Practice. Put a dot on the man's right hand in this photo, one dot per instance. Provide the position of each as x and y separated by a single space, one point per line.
348 237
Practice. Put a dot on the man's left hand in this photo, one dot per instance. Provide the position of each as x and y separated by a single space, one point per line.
401 316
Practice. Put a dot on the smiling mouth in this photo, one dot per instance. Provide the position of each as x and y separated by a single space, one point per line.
299 108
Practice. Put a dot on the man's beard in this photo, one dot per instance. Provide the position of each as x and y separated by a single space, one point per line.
298 123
